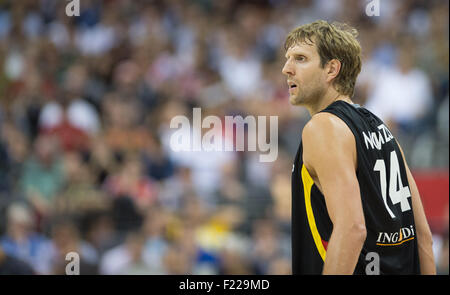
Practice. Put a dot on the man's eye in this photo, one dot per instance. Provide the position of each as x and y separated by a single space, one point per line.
300 58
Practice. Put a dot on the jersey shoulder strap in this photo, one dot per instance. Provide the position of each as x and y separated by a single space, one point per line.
355 116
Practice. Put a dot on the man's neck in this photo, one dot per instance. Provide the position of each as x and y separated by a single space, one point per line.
326 101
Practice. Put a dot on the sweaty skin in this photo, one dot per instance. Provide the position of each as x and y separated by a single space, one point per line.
329 154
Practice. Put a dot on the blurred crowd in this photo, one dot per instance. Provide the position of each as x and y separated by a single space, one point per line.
85 109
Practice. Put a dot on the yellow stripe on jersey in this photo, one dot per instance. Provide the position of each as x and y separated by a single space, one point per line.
307 185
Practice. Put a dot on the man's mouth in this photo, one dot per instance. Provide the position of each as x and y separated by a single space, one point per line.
292 85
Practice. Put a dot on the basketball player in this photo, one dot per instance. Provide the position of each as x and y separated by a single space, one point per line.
355 206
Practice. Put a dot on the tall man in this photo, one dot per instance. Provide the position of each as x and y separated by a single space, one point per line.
354 200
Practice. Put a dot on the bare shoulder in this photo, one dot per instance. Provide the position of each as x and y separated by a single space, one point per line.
326 126
327 140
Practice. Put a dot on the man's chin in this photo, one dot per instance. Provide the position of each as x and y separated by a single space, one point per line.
294 100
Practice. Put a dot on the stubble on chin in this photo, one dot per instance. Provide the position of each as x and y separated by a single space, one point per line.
292 100
295 100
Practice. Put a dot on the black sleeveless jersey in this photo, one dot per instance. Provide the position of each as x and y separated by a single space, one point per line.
391 241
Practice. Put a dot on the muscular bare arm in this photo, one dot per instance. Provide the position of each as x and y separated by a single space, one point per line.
329 154
423 232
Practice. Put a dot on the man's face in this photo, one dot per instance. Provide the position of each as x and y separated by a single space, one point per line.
305 77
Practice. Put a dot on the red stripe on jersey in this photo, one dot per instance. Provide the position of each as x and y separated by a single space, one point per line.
325 244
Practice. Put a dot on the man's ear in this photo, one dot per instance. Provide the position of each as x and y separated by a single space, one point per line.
333 69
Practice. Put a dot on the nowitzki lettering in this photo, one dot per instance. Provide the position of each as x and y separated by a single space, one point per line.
194 139
375 140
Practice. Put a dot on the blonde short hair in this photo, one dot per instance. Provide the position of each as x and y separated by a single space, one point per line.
333 41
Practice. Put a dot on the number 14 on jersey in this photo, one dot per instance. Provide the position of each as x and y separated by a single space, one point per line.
397 192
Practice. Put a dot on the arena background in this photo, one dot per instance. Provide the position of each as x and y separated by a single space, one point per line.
85 107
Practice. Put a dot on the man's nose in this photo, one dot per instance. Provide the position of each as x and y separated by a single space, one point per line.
287 69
